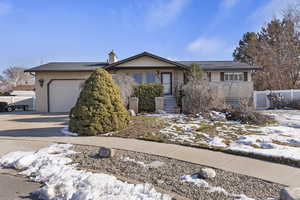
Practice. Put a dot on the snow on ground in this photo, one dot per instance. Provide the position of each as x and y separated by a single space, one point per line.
202 183
217 142
281 140
63 181
278 140
127 159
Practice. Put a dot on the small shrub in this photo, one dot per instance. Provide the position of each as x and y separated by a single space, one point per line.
276 100
146 94
246 114
126 84
200 97
99 108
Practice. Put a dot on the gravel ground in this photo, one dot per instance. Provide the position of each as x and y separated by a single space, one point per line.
168 176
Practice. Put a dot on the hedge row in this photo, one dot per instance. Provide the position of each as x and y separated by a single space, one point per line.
146 94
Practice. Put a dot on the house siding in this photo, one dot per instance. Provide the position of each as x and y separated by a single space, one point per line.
177 75
233 89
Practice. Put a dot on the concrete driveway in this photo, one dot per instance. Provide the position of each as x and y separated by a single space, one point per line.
27 124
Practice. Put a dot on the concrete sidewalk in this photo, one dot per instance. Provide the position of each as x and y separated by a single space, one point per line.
273 172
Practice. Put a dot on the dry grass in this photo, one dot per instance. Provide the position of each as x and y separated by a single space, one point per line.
141 126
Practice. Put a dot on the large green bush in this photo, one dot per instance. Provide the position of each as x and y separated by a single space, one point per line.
146 94
99 108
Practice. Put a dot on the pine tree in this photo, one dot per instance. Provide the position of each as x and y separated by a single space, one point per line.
99 108
242 52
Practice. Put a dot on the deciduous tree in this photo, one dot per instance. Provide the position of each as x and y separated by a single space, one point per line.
277 49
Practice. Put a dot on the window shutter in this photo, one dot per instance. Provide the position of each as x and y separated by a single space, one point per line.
245 76
222 76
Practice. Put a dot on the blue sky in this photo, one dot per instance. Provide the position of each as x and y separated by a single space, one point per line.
40 31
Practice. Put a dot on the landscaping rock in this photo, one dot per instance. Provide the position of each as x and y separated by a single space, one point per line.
156 164
106 152
161 112
217 116
168 176
206 173
131 112
290 194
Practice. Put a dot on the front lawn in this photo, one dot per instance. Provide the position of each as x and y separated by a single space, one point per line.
143 127
279 142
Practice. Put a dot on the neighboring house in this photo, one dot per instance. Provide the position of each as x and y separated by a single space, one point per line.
58 84
21 96
22 90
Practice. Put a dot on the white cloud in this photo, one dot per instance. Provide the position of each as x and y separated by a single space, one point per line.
210 48
5 8
228 4
213 48
164 12
273 8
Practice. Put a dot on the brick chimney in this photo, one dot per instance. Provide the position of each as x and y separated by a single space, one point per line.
112 57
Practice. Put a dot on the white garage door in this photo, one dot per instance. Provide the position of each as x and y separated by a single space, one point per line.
63 94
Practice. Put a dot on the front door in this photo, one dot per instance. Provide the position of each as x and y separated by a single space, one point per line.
166 80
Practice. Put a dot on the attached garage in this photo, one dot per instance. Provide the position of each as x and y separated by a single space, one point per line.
63 94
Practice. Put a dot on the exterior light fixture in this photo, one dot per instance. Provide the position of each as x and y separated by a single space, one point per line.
41 81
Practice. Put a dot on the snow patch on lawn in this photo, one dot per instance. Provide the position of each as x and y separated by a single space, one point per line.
278 140
282 140
66 132
217 142
63 181
217 116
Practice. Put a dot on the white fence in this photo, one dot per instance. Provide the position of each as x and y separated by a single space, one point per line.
20 100
261 100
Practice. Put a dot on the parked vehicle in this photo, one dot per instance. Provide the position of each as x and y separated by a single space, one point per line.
5 107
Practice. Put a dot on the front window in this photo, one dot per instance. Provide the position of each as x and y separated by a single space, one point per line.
138 78
150 77
233 76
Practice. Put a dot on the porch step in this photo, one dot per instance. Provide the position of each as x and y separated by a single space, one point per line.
170 105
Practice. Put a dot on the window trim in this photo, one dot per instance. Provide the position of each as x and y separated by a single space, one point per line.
234 76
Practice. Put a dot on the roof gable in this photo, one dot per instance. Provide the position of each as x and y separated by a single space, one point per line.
144 59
